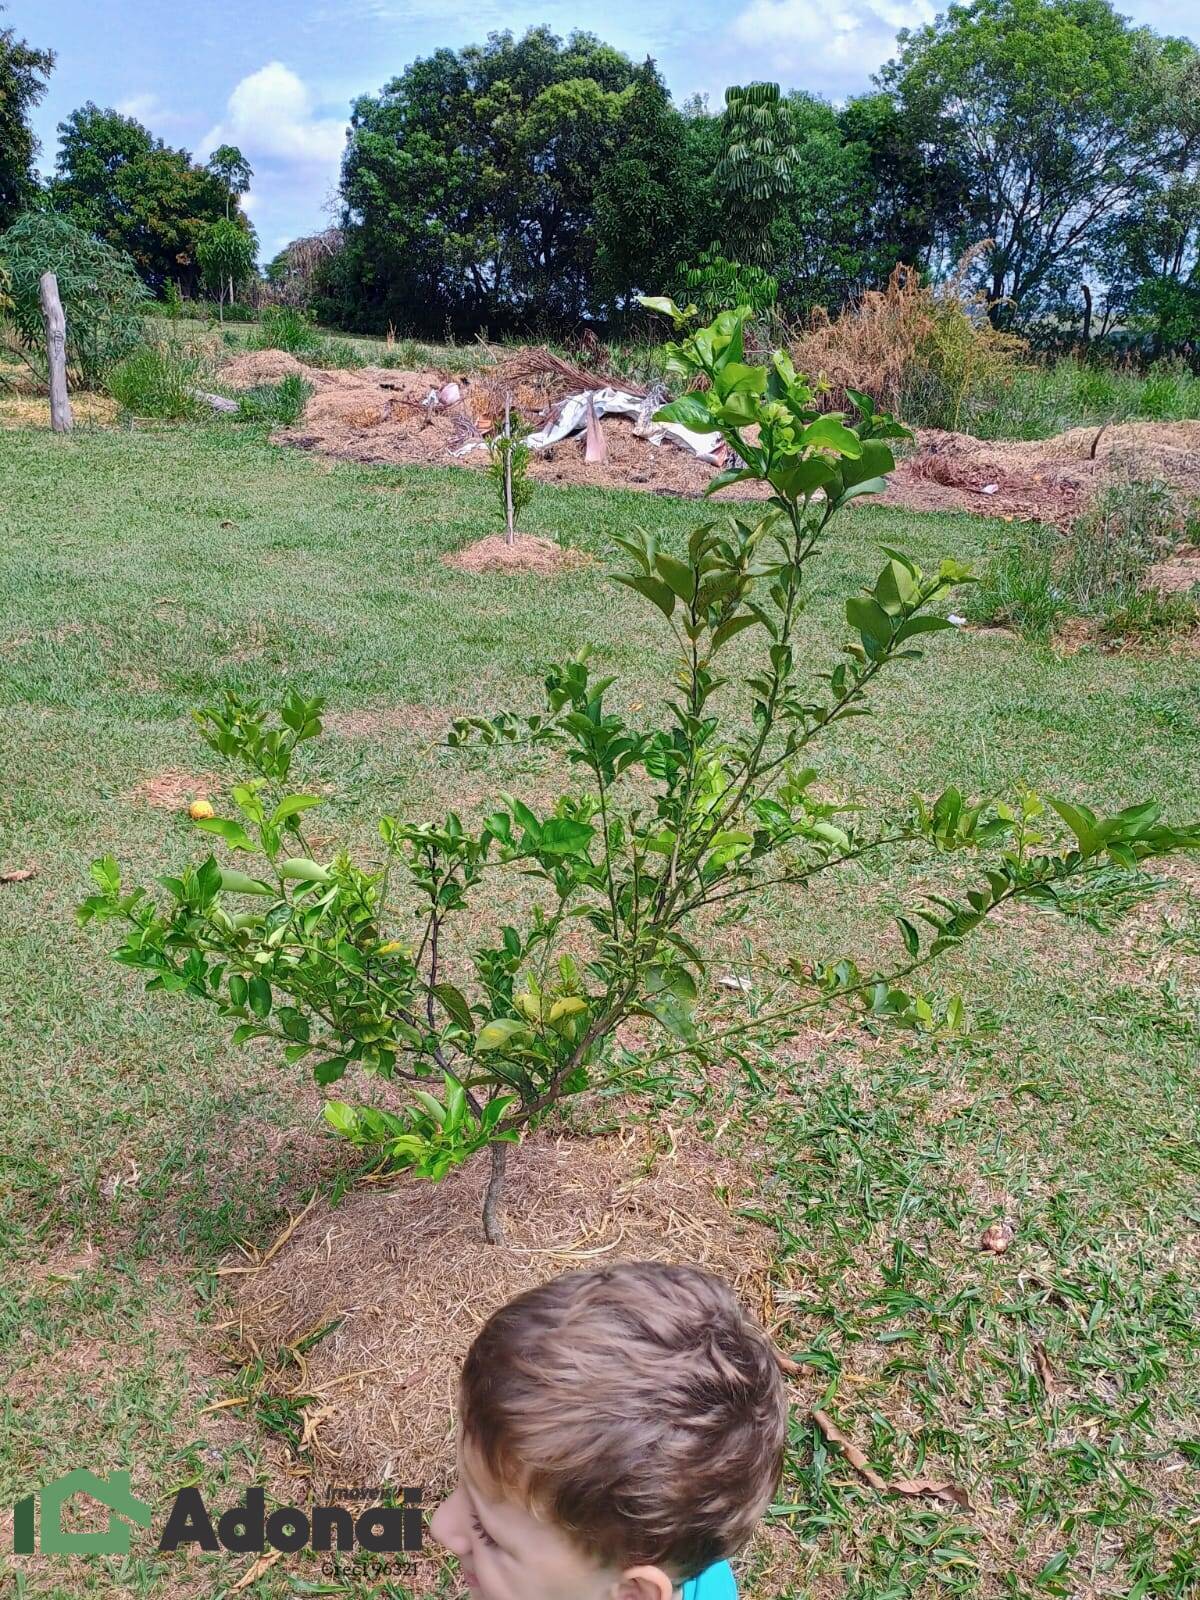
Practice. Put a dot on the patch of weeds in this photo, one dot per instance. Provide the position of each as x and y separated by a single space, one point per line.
337 353
1149 618
158 380
1018 589
283 328
281 402
1098 571
406 353
1107 897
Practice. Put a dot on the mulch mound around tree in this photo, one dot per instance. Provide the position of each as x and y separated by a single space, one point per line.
527 553
364 1313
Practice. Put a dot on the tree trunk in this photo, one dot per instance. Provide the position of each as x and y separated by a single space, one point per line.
493 1228
56 352
509 530
1087 312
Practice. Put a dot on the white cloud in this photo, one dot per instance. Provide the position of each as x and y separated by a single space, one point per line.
271 118
831 50
149 110
295 153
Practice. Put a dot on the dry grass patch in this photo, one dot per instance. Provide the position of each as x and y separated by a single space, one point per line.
389 1287
174 790
527 553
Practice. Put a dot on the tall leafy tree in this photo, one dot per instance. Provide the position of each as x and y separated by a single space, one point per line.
820 232
1056 110
229 165
225 255
1152 260
469 184
918 208
656 203
756 173
24 71
136 193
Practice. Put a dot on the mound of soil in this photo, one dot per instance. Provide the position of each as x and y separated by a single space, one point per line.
1047 480
400 1277
377 416
527 553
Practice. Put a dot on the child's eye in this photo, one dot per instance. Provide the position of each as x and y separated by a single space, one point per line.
484 1534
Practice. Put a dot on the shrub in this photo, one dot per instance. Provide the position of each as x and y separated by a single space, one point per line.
715 282
285 328
361 967
928 351
103 298
159 379
281 402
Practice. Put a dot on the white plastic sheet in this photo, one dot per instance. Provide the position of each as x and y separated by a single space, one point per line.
571 417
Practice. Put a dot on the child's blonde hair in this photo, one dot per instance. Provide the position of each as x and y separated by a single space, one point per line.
636 1407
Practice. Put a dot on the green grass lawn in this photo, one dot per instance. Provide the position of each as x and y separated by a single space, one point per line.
143 572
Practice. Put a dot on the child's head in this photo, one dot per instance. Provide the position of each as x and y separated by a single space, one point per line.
621 1430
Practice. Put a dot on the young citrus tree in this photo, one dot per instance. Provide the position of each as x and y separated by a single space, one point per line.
367 967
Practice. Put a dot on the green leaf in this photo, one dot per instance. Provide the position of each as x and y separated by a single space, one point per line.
239 989
500 1033
830 433
329 1071
922 624
730 627
563 837
876 461
291 805
869 618
234 835
800 480
660 593
259 995
730 475
302 870
455 1003
341 1117
691 410
678 574
234 882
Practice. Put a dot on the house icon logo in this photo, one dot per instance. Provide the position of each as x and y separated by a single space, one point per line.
113 1492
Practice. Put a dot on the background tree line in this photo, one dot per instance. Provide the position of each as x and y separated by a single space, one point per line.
540 184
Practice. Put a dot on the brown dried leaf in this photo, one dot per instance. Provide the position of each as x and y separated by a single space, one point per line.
253 1573
1044 1371
951 1493
911 1488
18 874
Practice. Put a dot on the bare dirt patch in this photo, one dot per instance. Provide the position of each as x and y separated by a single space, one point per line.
527 553
401 1274
368 722
173 790
1178 574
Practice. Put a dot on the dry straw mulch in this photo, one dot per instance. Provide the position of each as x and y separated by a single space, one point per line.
527 553
400 1272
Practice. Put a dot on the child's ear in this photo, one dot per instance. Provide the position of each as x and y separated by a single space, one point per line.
644 1583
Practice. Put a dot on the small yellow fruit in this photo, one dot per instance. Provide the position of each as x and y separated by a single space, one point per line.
199 809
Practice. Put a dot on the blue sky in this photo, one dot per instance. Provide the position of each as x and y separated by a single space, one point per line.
276 77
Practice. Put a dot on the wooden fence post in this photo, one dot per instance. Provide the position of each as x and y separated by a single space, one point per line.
56 352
